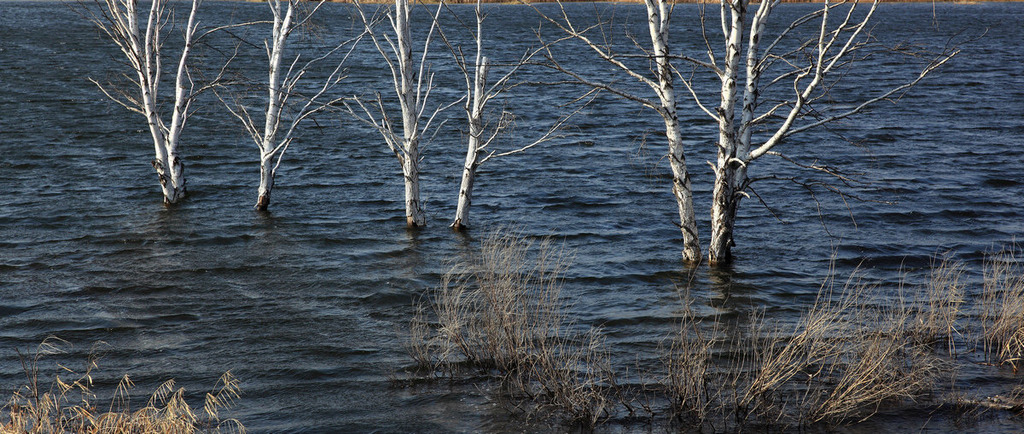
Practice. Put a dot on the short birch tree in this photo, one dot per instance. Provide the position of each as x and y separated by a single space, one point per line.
483 133
412 84
659 17
810 65
141 42
280 119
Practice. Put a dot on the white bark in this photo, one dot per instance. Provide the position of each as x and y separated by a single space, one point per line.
275 100
659 14
483 134
281 118
658 20
119 19
474 112
412 85
809 67
723 198
407 101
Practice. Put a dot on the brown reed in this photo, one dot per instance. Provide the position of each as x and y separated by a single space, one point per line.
69 404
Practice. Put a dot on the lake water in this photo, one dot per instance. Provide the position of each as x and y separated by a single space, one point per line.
308 305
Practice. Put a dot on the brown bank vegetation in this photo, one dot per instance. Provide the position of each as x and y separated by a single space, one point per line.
69 404
859 349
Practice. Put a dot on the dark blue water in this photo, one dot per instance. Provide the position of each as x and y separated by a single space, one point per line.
308 305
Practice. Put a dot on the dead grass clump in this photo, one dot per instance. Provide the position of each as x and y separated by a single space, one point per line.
69 404
939 312
501 311
876 360
842 360
1002 317
688 367
855 351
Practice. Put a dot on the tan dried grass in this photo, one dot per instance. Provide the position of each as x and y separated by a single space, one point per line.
858 349
1002 316
839 363
501 310
939 312
69 405
688 366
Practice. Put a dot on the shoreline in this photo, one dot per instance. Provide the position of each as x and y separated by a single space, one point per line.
506 2
960 2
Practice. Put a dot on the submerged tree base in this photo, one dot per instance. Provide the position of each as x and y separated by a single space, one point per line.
263 203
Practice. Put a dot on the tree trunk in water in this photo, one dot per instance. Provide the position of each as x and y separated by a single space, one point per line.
414 215
266 184
658 17
724 197
172 178
682 192
725 201
466 188
474 110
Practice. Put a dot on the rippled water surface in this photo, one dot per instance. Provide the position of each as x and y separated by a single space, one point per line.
308 305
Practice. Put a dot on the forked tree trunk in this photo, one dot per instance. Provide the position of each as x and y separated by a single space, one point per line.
171 173
168 165
412 90
273 138
141 44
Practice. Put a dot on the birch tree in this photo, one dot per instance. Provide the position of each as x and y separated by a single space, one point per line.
280 119
412 85
141 41
483 133
659 17
810 66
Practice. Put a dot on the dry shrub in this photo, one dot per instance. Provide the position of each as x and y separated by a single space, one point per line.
940 310
501 311
843 359
1002 317
70 405
876 361
688 369
854 351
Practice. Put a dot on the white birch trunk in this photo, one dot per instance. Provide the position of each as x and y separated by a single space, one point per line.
474 111
142 50
658 18
412 89
266 186
410 158
724 198
280 119
268 146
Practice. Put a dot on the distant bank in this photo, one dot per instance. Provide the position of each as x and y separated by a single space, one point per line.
675 1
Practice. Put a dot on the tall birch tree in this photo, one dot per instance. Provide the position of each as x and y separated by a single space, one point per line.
810 65
659 18
139 36
412 85
483 132
280 119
